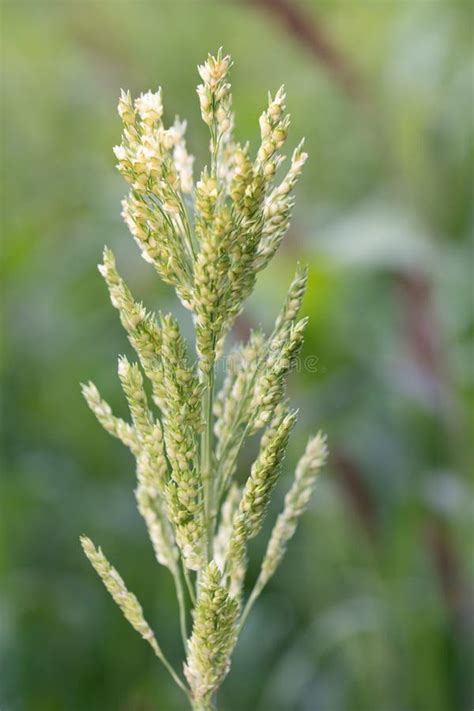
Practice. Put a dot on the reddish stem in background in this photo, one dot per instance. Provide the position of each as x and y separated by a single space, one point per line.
356 492
310 33
421 334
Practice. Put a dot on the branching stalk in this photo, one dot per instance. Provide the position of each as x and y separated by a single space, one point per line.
208 239
182 608
207 466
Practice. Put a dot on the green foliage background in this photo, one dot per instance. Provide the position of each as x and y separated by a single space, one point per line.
372 609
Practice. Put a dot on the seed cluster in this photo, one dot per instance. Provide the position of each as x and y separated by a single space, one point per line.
208 238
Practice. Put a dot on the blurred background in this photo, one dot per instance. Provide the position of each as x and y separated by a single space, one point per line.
371 610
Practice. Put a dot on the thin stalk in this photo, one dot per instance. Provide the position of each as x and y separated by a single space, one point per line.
248 606
189 584
214 146
206 466
204 704
182 608
185 222
170 669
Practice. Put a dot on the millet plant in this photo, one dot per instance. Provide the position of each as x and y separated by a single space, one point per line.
209 240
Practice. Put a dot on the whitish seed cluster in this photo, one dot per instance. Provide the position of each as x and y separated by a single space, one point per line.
208 238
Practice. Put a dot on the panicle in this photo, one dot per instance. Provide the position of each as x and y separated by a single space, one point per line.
182 425
154 161
132 384
239 220
150 107
270 384
292 305
205 200
103 412
132 314
208 240
126 600
126 109
296 502
142 329
277 210
186 513
265 471
153 467
210 277
242 177
274 125
159 529
215 97
255 497
213 637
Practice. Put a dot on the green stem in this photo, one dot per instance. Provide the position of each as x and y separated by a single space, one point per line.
159 653
182 608
214 145
185 222
250 602
207 461
189 585
207 704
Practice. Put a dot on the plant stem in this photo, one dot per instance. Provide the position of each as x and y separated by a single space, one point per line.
208 704
159 653
189 585
182 608
250 602
207 460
